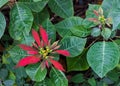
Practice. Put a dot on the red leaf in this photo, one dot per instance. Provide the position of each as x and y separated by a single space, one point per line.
32 52
44 35
28 60
26 47
93 19
63 52
36 36
96 12
46 62
57 65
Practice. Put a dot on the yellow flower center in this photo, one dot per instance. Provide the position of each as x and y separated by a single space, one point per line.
102 19
45 52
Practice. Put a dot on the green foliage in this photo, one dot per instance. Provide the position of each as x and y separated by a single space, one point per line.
3 2
92 82
106 33
74 45
21 20
36 73
49 27
78 63
64 27
58 78
80 31
35 6
93 43
103 57
95 32
2 24
112 10
90 11
78 78
17 53
62 8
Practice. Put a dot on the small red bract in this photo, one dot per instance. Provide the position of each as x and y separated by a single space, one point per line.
42 51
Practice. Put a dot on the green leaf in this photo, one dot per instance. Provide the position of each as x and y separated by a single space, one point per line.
74 45
80 31
115 14
17 53
27 39
103 57
64 27
108 81
106 33
113 75
49 27
3 2
36 73
8 82
63 8
35 6
117 41
88 24
92 82
20 73
12 76
112 8
95 32
78 78
90 11
78 63
37 0
58 77
2 24
106 6
21 20
3 74
40 17
45 82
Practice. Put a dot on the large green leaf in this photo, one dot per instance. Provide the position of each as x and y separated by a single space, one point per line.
3 2
58 77
65 26
49 27
2 24
27 39
35 6
17 53
112 9
40 17
21 20
115 14
36 73
80 31
74 45
88 24
63 8
103 57
107 6
78 63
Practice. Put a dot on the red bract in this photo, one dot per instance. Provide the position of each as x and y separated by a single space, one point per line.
42 51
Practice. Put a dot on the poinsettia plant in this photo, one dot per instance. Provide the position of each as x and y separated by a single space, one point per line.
87 53
42 51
